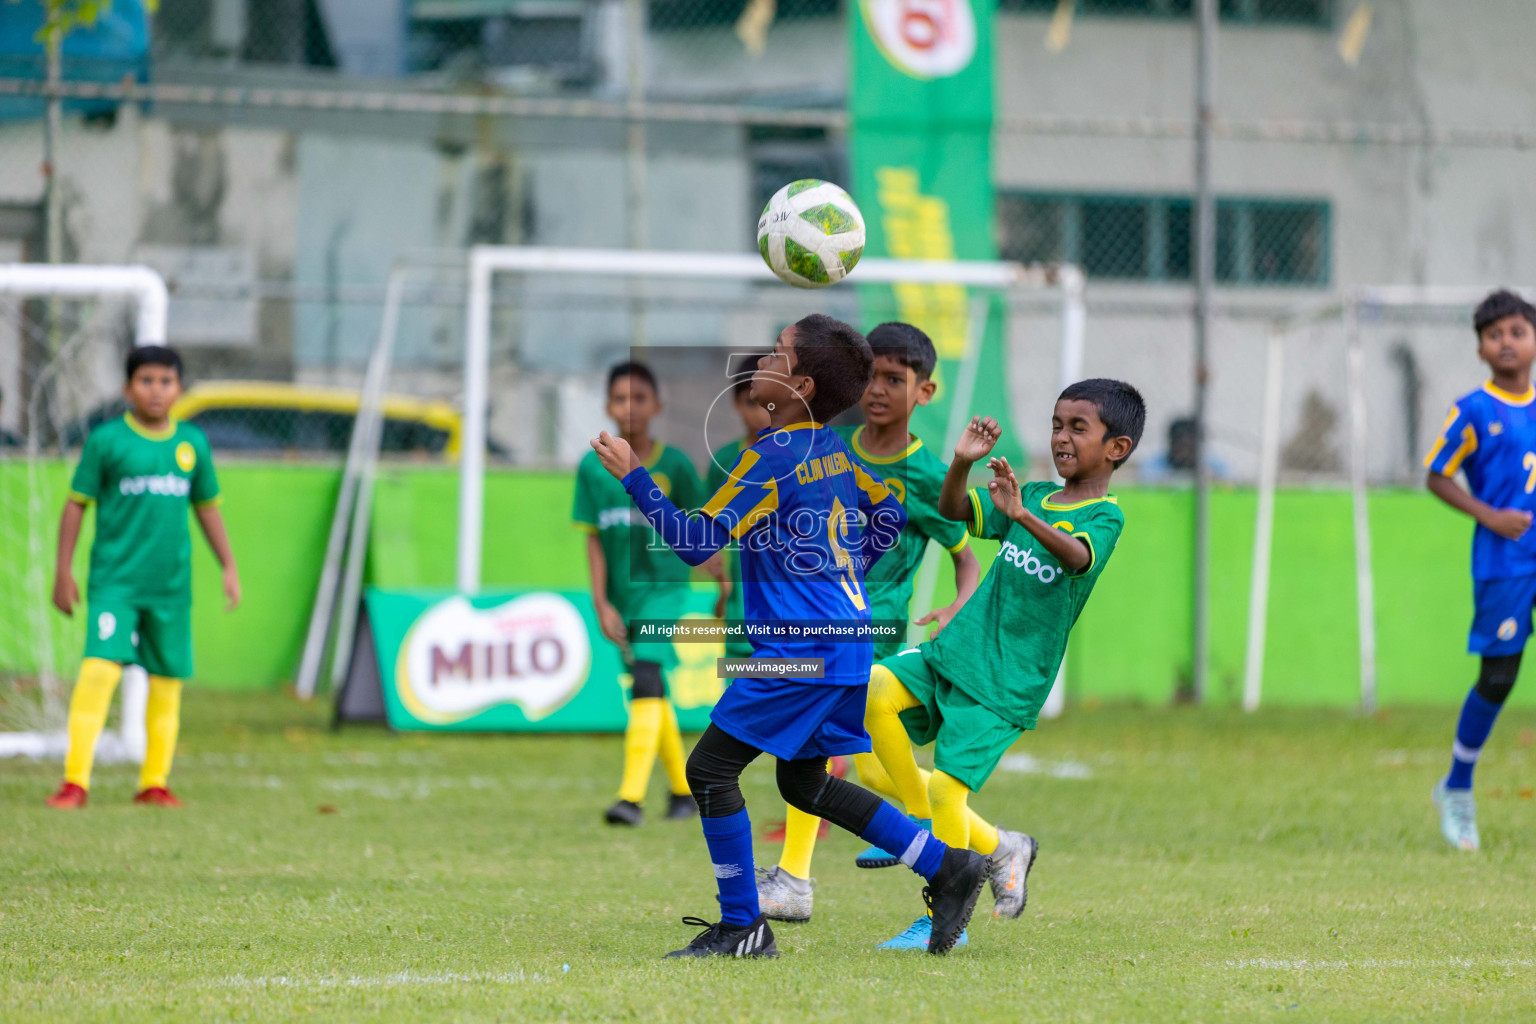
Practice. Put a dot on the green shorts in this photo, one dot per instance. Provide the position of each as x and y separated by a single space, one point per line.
662 602
157 636
969 738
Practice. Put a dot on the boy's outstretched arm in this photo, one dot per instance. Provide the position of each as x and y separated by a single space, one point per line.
1506 522
974 444
1073 553
967 575
212 522
66 593
695 539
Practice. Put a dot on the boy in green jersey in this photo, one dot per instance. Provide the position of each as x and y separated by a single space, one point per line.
904 363
141 472
976 688
635 576
754 418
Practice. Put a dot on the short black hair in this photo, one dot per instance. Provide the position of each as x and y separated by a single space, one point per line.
630 368
742 375
907 345
153 355
1120 406
837 358
1500 304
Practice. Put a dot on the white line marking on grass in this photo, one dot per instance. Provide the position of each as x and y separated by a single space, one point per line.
1028 764
1373 963
404 978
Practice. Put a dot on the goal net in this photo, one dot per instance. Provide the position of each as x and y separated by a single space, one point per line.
542 326
63 333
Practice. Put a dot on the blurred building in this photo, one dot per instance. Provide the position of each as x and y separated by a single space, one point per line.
279 222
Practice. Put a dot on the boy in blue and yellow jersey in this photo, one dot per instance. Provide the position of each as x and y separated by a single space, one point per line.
901 381
753 419
142 472
975 688
635 578
1490 436
810 522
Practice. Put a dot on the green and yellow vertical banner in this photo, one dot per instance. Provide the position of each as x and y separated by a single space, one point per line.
920 102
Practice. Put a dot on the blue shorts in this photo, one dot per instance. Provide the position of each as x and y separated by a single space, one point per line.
1501 623
794 720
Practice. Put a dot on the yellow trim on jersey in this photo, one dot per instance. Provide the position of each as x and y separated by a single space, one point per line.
869 485
154 435
584 527
1434 451
81 499
802 425
1511 399
655 460
733 486
1093 556
1048 503
975 524
881 460
1468 446
213 502
964 540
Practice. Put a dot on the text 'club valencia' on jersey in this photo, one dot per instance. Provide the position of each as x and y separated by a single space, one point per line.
796 500
1490 435
142 483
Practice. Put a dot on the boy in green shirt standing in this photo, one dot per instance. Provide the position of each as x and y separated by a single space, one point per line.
636 576
141 472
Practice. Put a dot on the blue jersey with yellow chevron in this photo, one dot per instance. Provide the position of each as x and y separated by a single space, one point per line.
810 520
1490 435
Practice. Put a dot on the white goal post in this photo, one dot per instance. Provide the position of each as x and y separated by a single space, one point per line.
486 262
151 300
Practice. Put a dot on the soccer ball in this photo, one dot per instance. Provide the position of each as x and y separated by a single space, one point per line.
811 233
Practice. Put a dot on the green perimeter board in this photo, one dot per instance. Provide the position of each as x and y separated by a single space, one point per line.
1131 644
595 704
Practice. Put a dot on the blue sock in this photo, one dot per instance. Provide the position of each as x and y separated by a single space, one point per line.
730 848
1477 718
891 830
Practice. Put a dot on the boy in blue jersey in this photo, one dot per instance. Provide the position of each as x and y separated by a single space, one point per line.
810 522
1490 436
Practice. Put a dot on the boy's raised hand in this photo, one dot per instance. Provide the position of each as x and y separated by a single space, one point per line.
1004 488
977 439
615 454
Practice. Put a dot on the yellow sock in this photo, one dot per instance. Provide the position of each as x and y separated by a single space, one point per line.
887 699
872 775
951 820
983 834
799 841
641 738
88 716
670 750
162 721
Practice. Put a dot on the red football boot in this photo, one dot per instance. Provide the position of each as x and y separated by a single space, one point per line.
157 796
775 832
70 797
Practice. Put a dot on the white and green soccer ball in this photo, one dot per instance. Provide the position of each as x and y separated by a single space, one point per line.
811 233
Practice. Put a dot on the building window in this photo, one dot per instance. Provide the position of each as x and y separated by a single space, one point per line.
1259 242
1317 13
782 154
663 15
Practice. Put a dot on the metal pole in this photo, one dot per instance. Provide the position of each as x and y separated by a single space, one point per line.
1205 279
634 164
477 366
1365 589
53 127
1069 369
1264 522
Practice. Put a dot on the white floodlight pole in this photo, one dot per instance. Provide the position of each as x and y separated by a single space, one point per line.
151 308
1365 587
1264 522
485 261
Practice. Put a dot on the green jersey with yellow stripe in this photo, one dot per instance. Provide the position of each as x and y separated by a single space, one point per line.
142 482
1005 645
915 475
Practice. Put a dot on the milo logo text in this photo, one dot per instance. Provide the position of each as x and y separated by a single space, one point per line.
1025 558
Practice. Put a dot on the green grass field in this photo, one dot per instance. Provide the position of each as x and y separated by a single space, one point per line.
1195 865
